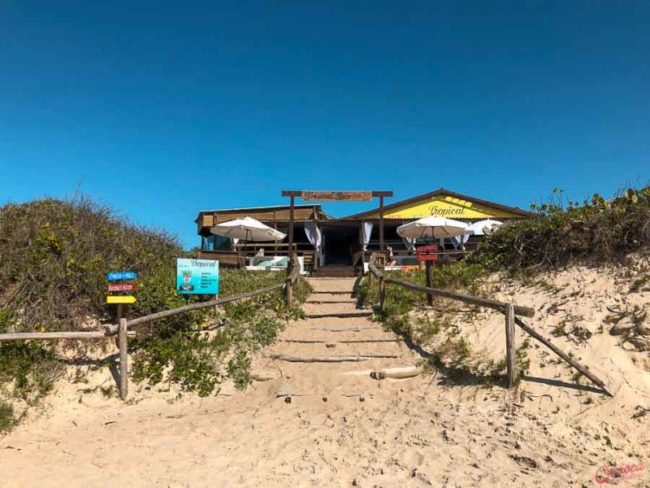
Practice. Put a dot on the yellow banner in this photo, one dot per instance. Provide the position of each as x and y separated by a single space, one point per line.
446 206
120 299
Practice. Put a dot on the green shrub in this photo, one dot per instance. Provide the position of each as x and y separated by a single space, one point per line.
58 282
564 232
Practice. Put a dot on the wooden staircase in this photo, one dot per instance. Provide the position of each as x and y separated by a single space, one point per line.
334 272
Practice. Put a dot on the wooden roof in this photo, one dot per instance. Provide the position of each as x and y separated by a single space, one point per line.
268 215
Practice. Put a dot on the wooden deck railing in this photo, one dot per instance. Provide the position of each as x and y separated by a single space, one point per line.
122 328
510 310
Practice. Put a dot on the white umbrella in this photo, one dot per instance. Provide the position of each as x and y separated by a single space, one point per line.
483 227
435 227
247 229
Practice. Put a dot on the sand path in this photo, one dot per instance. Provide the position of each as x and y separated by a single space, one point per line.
338 429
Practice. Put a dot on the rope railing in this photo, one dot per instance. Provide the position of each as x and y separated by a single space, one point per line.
510 310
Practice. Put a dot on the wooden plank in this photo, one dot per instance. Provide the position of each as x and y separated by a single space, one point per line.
352 341
511 352
337 315
197 306
331 292
472 300
121 275
120 299
114 287
46 336
124 359
426 249
330 359
336 196
427 258
547 342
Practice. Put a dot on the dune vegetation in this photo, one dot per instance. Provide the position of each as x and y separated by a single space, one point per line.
595 232
54 256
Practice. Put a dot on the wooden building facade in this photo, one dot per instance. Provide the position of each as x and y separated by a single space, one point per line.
340 238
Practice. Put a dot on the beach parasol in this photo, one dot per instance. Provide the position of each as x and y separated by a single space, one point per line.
483 227
435 227
247 229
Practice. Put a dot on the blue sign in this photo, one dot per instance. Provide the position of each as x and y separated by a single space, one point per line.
121 275
197 276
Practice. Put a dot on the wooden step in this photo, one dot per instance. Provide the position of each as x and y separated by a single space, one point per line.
331 359
360 313
349 341
332 292
352 301
335 271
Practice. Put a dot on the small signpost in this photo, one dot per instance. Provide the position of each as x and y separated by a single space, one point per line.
119 283
114 287
428 254
121 276
120 299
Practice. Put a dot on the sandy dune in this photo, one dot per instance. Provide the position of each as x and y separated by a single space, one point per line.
341 429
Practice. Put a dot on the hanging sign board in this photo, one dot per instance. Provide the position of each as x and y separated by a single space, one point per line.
426 249
336 196
427 253
120 299
197 276
423 258
121 275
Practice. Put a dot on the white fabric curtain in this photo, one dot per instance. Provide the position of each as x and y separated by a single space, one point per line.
315 237
366 231
409 242
459 241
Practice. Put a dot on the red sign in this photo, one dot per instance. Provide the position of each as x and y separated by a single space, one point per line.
427 249
427 257
122 287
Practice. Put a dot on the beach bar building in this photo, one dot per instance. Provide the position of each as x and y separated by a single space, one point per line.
326 245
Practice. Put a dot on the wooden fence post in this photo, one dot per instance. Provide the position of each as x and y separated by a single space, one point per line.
511 353
124 361
429 274
382 292
288 293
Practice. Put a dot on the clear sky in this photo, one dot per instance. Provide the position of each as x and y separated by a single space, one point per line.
165 108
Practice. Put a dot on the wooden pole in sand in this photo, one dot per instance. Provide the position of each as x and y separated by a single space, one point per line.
511 356
290 263
429 276
124 366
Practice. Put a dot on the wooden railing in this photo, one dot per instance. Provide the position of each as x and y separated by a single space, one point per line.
510 310
122 328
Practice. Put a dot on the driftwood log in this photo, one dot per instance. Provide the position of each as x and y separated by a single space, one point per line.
397 372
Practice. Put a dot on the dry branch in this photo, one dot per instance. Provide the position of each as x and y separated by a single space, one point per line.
547 342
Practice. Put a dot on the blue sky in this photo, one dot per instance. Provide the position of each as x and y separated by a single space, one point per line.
164 108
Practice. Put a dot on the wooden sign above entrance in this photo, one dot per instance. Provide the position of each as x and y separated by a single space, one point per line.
336 196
